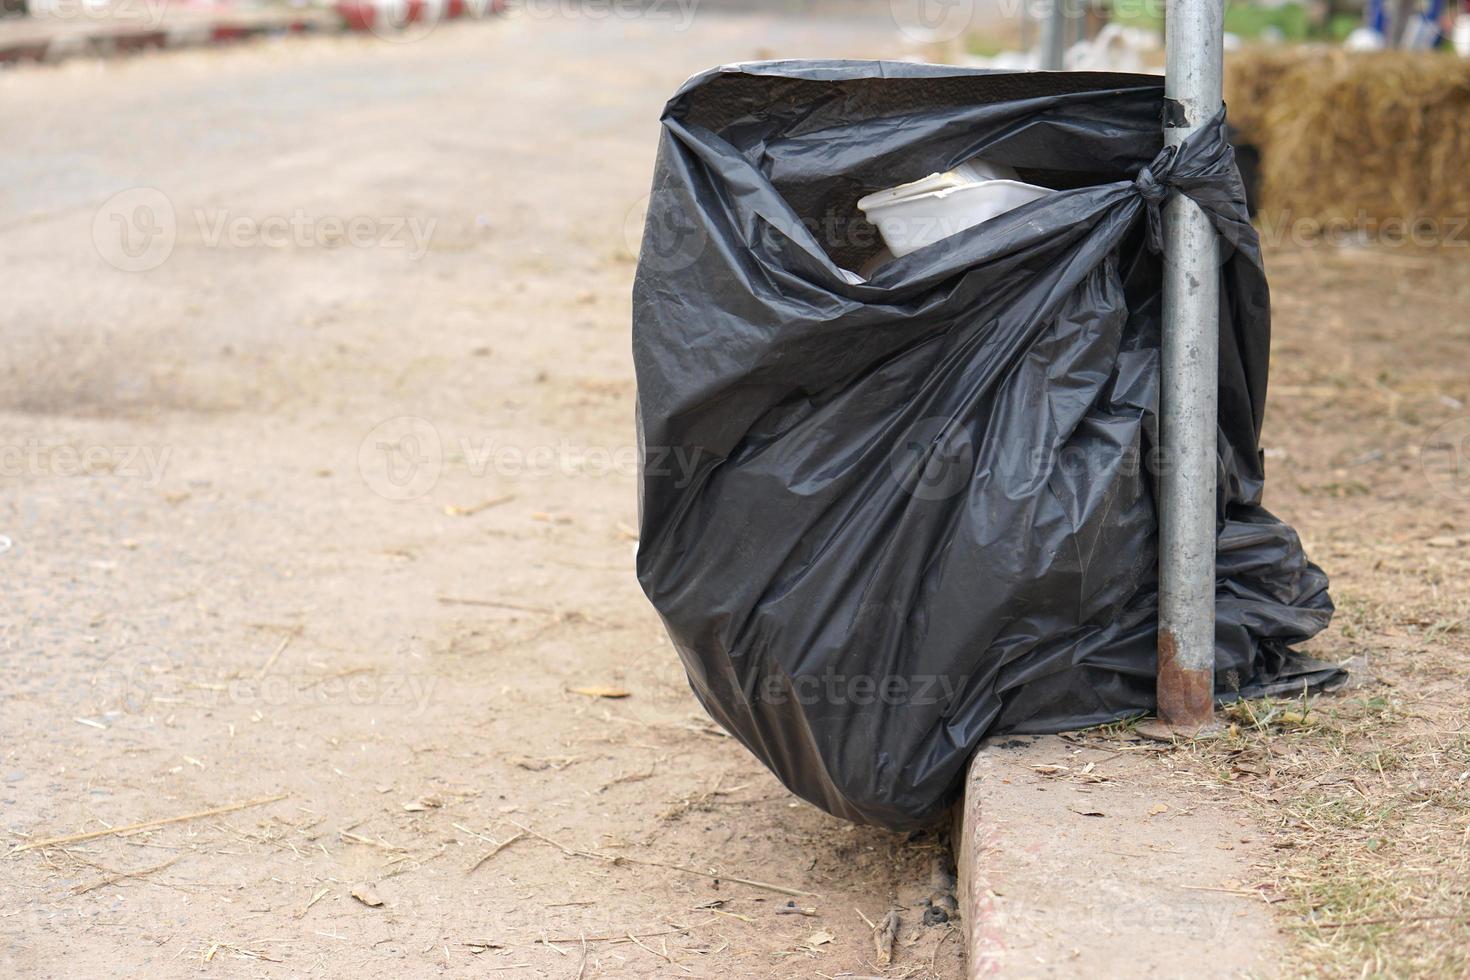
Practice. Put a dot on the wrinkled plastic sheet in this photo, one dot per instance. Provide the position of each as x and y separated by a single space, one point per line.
883 519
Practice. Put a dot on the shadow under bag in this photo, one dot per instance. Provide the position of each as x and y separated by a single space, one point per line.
884 516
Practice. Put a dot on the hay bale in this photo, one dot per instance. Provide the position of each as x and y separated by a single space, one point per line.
1361 139
1252 78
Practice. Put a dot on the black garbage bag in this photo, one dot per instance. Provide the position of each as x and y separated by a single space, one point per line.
885 518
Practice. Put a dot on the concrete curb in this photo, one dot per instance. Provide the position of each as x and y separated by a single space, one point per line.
1067 869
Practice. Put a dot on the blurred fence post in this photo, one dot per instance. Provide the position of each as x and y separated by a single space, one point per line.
1054 36
1194 53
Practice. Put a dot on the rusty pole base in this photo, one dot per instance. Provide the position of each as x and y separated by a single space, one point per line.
1186 688
1160 730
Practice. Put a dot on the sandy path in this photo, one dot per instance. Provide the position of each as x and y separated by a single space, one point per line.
200 479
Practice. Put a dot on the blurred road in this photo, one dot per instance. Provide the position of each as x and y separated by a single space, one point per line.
318 481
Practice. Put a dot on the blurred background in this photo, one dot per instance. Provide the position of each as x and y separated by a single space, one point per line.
317 489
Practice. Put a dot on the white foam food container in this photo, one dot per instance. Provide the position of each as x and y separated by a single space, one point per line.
924 211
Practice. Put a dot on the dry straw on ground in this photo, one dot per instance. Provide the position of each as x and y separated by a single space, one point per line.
1356 137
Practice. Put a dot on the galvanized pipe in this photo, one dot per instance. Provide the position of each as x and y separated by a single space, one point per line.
1194 55
1053 35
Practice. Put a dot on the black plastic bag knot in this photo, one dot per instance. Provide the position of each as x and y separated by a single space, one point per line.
1152 184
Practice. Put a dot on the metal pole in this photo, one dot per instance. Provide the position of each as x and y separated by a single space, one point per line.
1194 52
1054 36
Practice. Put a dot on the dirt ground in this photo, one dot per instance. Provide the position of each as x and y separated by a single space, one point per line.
216 592
327 512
